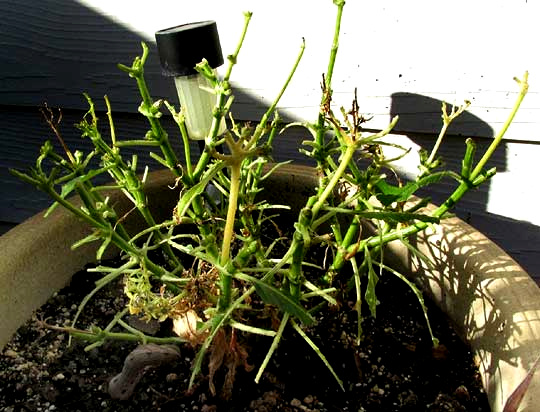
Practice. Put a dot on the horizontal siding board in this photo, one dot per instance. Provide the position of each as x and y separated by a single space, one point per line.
25 132
400 62
53 50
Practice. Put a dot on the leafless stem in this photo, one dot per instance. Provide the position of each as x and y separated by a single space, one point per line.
48 115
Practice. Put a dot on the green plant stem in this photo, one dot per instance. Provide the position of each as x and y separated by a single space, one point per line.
344 162
442 133
119 315
124 175
264 120
299 246
187 151
524 87
102 335
377 240
351 236
228 234
180 120
158 133
145 212
247 220
259 169
447 120
221 320
222 91
458 193
233 58
99 285
329 73
358 303
335 43
117 239
313 346
273 347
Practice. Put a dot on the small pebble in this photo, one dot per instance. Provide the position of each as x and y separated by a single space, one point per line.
58 377
462 393
171 377
296 403
308 400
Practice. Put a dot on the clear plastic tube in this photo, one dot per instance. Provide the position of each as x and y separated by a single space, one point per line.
198 101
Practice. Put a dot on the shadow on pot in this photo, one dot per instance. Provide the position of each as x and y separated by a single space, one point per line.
492 303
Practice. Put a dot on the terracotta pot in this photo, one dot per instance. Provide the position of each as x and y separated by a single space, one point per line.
493 303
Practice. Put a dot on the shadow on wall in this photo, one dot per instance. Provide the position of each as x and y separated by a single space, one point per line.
64 48
420 120
423 115
53 51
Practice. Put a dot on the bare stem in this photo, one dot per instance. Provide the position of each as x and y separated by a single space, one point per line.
447 119
524 88
231 214
327 87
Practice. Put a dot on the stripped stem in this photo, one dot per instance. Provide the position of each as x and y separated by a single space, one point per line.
447 120
524 88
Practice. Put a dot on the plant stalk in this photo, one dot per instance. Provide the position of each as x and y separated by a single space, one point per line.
524 88
228 235
347 156
329 72
222 91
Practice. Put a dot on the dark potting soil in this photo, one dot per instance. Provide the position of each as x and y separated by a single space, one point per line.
394 369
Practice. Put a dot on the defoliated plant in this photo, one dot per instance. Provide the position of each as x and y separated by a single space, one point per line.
208 280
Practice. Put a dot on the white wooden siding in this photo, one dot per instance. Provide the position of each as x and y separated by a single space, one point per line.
403 58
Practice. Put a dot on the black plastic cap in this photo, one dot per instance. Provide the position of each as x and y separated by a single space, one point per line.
180 48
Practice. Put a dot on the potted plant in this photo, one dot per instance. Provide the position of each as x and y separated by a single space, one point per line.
212 239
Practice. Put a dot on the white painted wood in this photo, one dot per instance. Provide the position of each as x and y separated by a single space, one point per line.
403 57
54 49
